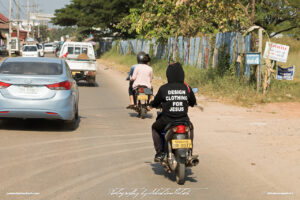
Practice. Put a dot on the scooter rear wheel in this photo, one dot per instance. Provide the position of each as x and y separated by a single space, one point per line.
180 173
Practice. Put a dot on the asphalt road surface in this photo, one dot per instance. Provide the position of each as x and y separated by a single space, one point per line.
110 156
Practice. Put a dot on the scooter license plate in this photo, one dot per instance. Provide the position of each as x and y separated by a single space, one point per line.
182 144
142 97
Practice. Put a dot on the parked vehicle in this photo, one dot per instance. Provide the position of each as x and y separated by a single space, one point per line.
40 50
3 50
15 45
141 99
49 48
30 51
81 59
38 88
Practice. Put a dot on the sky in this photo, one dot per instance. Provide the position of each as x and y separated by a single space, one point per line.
46 6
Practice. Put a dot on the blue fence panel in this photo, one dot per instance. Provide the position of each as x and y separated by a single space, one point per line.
197 46
218 44
231 47
147 46
247 49
138 46
203 46
170 44
153 42
199 59
206 52
133 44
186 51
180 47
192 51
208 48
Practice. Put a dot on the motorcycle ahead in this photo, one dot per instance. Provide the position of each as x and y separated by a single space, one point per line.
142 96
178 148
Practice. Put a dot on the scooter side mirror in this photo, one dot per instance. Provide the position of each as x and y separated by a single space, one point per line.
195 90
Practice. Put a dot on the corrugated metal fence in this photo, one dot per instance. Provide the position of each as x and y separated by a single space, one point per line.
201 52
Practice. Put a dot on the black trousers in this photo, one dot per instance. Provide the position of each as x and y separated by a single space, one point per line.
158 127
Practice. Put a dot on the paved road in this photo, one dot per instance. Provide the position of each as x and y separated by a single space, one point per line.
111 153
111 149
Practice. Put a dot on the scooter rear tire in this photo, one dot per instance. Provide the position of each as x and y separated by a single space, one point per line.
180 173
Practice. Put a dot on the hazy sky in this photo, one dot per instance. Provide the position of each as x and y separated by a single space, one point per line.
46 6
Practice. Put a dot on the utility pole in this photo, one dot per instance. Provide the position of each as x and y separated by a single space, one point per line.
9 32
18 26
38 7
28 18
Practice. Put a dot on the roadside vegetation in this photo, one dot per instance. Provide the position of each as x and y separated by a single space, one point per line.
225 85
159 19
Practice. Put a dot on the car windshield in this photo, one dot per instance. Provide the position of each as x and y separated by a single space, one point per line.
31 68
30 48
48 45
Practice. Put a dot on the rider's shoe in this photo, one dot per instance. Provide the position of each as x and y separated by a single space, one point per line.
130 106
158 157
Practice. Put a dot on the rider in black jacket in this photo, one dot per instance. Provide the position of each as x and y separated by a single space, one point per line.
174 97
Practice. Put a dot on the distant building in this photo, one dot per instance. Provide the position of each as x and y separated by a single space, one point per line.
4 28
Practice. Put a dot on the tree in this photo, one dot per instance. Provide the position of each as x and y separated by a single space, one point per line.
275 16
165 18
91 14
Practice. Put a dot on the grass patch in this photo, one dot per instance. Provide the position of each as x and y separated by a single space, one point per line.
226 87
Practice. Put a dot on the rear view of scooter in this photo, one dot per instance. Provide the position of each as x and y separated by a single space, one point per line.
142 96
178 148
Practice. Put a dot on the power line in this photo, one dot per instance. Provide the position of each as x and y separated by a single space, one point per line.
19 7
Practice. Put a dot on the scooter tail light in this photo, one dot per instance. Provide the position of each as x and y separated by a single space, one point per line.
141 90
180 129
66 85
4 85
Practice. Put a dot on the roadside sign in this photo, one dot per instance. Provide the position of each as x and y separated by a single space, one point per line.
285 73
277 52
253 58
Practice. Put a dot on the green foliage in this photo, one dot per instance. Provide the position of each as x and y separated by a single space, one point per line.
165 18
275 16
57 33
90 14
223 61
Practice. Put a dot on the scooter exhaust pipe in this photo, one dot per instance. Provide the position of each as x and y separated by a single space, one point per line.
195 161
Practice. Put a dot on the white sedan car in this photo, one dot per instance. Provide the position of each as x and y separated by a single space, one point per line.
30 51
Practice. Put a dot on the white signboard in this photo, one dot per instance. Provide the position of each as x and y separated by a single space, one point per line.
277 52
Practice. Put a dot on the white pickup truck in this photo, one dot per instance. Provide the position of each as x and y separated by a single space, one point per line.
80 57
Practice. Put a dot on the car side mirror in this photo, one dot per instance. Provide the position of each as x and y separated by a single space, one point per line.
195 90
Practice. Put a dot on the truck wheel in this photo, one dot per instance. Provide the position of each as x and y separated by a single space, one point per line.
91 81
